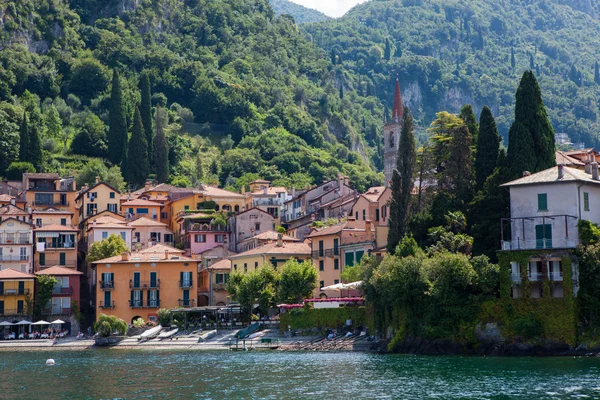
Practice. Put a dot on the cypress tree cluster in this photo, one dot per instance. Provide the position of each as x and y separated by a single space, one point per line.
161 149
531 144
23 139
117 129
146 111
468 115
30 144
137 166
402 182
488 145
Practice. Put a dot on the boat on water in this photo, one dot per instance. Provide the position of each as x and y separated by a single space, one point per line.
168 334
150 333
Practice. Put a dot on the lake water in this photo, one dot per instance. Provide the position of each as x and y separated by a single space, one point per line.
144 374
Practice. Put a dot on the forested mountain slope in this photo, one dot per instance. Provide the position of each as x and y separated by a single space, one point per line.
300 13
452 52
222 66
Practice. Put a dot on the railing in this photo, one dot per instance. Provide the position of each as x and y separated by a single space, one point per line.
564 243
14 258
185 284
516 278
58 311
51 263
205 228
109 305
219 286
15 241
141 304
135 303
62 290
69 245
555 276
51 203
144 285
14 292
107 285
267 202
535 276
12 311
187 303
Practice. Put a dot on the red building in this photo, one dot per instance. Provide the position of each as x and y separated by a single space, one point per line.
65 296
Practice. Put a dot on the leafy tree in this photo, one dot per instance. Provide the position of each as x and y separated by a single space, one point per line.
588 297
90 137
199 169
387 53
297 281
24 139
109 247
88 78
44 286
488 145
87 175
596 73
137 165
114 178
161 149
53 123
16 170
9 139
402 183
459 166
146 111
255 287
117 130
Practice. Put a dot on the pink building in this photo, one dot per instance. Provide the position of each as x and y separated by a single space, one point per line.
199 233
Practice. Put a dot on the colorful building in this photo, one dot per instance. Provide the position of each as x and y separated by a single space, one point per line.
148 233
136 285
198 232
100 197
138 208
100 231
55 245
263 238
250 223
276 254
16 288
267 198
212 287
16 245
50 190
65 296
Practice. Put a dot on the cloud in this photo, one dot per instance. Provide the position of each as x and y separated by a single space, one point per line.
333 8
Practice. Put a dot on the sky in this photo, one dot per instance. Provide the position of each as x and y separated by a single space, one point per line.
333 8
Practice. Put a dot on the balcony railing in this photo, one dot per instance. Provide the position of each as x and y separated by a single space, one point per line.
187 303
69 245
109 305
62 290
267 202
108 285
185 284
219 286
51 203
14 292
565 243
14 258
11 311
535 276
17 240
144 284
142 304
555 276
135 303
516 278
58 311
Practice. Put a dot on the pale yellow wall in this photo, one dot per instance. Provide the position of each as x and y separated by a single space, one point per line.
52 219
102 199
10 302
329 273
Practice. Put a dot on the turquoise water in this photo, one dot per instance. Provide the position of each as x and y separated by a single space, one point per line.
115 374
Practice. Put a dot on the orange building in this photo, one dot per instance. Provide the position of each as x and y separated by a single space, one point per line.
136 285
212 287
55 245
141 208
49 190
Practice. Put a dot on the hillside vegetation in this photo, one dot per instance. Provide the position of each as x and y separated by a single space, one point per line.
454 52
300 13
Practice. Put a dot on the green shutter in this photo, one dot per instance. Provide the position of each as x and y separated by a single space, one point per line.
359 255
542 202
42 259
63 259
586 201
349 259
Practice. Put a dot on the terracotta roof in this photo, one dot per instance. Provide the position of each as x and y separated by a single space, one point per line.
109 226
15 219
271 191
41 176
58 270
550 175
288 248
143 221
9 209
16 184
214 248
158 198
141 202
56 228
144 256
562 158
272 235
374 193
95 186
165 187
10 273
254 209
107 220
52 210
213 191
223 264
331 230
161 248
6 197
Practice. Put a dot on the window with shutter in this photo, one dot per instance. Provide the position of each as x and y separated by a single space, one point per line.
542 202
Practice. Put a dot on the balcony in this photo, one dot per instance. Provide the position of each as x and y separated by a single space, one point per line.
219 286
540 232
267 202
535 276
17 240
516 278
144 285
147 304
104 305
59 291
109 285
14 258
58 311
564 243
555 276
51 203
185 284
187 303
68 245
51 263
136 303
11 312
14 292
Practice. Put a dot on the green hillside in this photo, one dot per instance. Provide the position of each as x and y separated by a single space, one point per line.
449 53
255 96
300 13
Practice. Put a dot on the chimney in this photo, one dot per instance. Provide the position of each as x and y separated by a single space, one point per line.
561 171
265 190
166 254
588 168
293 192
94 223
13 201
368 230
279 240
595 171
244 189
147 185
125 256
526 173
97 179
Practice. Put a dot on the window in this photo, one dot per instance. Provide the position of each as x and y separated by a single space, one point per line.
542 202
359 255
349 259
377 214
220 279
543 236
320 248
164 215
321 266
142 211
219 238
586 201
62 258
336 246
356 215
257 226
364 215
322 284
112 208
104 235
20 306
392 140
235 267
256 265
42 259
136 236
21 287
245 267
336 281
153 298
38 222
168 237
124 236
153 280
63 221
336 263
136 298
112 195
186 208
200 238
23 254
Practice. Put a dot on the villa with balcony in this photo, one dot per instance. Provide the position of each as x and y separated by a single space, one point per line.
16 245
55 245
50 190
199 233
538 239
65 295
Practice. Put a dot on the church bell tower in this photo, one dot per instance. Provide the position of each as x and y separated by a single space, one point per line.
391 136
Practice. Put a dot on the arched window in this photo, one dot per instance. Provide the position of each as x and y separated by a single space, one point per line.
237 208
392 140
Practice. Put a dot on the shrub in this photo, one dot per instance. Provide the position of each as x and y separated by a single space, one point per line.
139 322
16 170
164 316
109 324
528 327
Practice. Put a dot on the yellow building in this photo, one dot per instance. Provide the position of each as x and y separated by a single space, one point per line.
212 284
98 198
137 208
49 190
15 288
51 216
136 285
327 258
276 253
55 245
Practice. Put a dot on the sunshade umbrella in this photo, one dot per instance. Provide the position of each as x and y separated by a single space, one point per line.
24 322
6 323
58 321
337 286
41 323
353 285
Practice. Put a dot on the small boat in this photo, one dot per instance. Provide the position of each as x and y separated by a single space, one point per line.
150 333
168 334
255 335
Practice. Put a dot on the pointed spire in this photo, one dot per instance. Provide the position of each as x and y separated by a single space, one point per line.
398 111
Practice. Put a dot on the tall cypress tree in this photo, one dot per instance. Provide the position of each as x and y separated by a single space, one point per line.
596 74
161 149
459 166
117 128
488 145
137 164
24 139
387 54
468 115
513 61
537 151
402 183
146 110
35 154
342 91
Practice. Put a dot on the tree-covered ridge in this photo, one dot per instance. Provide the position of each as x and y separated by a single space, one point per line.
224 70
450 53
300 13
